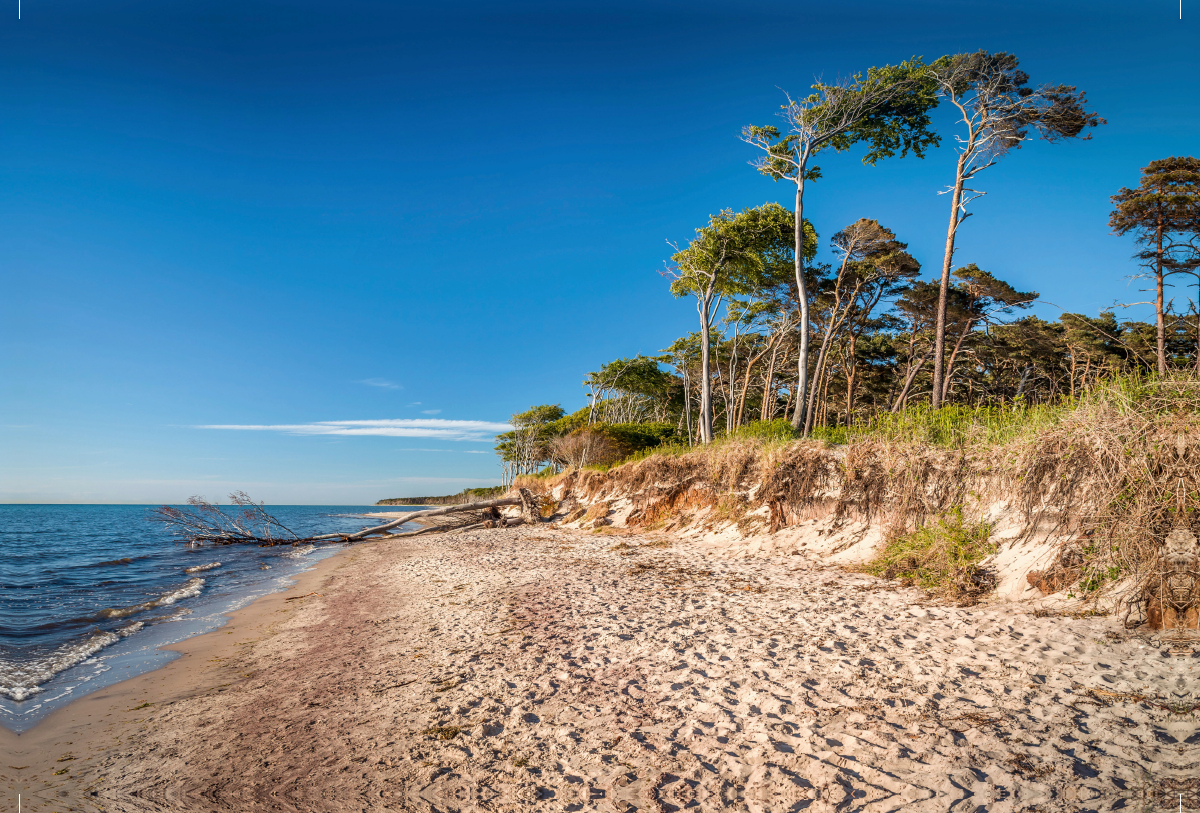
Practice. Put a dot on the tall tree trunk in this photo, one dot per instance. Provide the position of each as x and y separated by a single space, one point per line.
818 376
1160 325
835 325
802 291
706 413
592 409
939 332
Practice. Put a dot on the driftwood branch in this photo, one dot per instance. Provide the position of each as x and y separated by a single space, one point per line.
499 523
433 512
205 522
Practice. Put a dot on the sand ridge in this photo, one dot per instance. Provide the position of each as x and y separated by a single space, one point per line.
502 669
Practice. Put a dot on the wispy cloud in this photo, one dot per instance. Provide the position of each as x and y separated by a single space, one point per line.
392 428
430 411
382 383
448 451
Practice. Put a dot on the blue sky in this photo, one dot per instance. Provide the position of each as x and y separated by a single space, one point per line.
337 219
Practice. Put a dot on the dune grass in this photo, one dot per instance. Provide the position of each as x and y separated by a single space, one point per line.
942 557
956 426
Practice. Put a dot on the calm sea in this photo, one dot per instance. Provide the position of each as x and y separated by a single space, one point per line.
88 594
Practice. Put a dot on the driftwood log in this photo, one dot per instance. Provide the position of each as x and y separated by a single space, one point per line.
205 522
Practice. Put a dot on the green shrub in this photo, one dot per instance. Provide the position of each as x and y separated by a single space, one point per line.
570 423
634 437
778 429
942 557
838 435
485 493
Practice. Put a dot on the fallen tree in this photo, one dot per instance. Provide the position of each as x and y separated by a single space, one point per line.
205 522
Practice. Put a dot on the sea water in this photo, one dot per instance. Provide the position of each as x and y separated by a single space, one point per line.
89 593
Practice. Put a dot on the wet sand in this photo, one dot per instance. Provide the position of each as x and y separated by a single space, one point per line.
45 763
499 669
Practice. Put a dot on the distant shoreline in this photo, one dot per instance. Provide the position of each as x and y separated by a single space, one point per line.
464 496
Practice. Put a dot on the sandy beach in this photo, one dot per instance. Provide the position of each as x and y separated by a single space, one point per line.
500 669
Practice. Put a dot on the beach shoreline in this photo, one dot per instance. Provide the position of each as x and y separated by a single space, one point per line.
98 721
497 669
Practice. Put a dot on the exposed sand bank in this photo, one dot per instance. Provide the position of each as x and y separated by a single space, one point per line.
489 670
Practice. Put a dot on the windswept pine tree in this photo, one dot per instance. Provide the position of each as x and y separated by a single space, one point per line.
998 111
888 110
1163 212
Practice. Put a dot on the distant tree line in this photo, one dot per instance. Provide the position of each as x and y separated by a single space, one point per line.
783 340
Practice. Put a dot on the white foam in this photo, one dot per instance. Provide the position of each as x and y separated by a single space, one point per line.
191 589
202 568
296 553
22 680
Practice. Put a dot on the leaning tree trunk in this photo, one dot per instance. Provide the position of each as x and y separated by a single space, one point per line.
949 375
835 325
939 333
914 369
1160 322
706 417
741 408
851 375
1024 379
687 403
814 396
768 404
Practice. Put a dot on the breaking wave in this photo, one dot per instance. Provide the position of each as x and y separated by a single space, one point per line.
20 681
296 553
189 590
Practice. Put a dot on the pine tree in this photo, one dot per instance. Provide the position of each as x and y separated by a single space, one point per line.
1163 211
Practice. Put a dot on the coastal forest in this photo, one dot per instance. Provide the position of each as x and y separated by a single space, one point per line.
786 346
